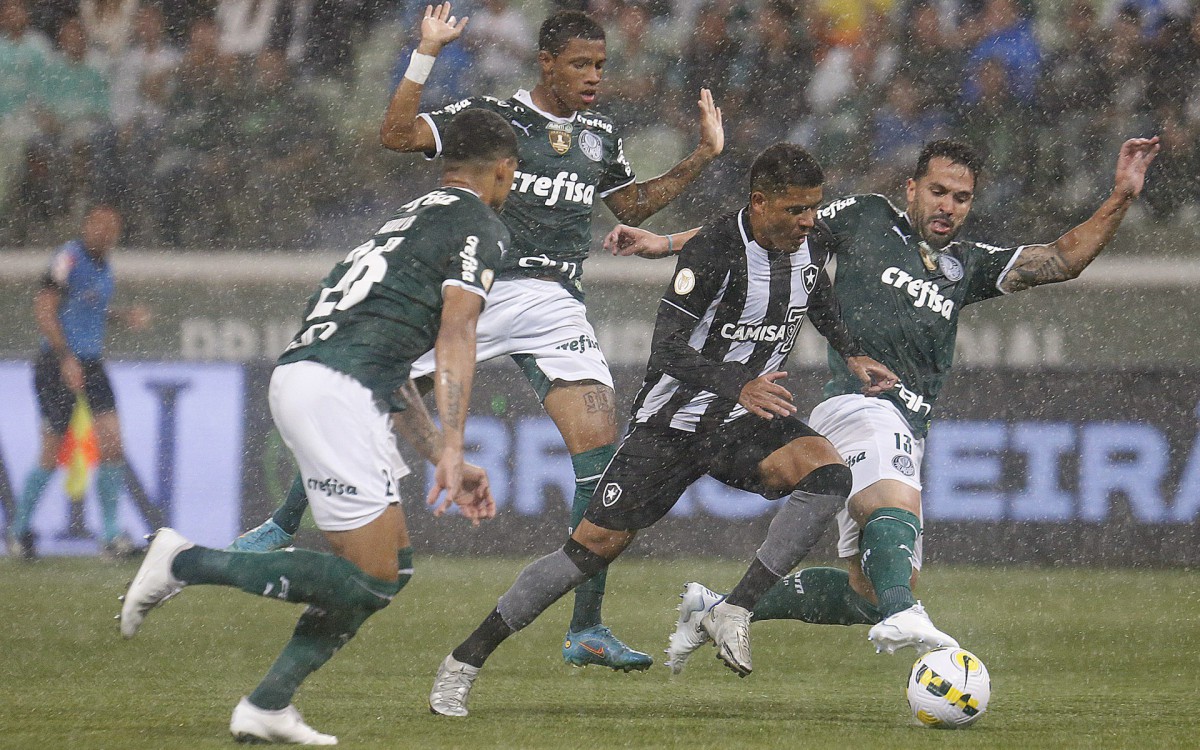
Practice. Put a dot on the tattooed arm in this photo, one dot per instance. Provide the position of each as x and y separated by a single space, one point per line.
416 425
1066 257
455 355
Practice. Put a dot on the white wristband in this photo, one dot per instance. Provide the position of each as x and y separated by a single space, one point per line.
419 67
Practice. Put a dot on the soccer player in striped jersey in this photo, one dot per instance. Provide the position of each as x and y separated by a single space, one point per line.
712 403
903 278
570 157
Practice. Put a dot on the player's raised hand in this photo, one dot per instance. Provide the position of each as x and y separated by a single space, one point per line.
1132 162
766 398
627 240
876 377
712 127
439 28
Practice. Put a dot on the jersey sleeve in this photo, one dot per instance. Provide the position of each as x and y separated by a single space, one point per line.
58 275
984 269
699 276
617 171
438 119
476 256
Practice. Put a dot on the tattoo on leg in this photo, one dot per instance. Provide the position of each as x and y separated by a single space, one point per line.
598 401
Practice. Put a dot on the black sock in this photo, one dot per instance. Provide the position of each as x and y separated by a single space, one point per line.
758 580
486 638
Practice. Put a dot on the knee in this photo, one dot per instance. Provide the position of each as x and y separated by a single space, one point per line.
588 562
831 479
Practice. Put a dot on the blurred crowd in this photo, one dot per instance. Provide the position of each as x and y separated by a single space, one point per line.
251 123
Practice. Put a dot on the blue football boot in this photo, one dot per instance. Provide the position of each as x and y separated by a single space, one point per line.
597 645
266 537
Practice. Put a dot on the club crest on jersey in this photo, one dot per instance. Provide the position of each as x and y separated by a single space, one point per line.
808 275
612 493
950 267
560 136
591 145
904 465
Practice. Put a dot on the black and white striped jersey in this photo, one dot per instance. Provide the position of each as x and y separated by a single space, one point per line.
732 314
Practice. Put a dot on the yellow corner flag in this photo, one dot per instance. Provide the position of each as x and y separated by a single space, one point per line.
79 452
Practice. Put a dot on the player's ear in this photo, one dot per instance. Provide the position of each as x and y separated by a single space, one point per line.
545 61
757 200
910 189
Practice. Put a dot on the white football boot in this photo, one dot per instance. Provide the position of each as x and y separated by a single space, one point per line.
451 687
909 627
695 602
253 724
153 583
729 627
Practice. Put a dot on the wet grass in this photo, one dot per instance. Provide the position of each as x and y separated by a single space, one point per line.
1079 659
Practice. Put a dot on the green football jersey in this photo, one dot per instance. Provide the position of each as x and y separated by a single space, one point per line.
381 308
564 166
904 315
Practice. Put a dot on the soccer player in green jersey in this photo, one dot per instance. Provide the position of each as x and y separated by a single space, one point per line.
902 279
419 282
570 156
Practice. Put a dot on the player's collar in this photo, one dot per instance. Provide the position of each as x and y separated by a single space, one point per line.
464 189
524 97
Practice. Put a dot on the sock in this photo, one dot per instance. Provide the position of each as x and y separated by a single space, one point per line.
317 637
327 581
110 480
796 527
405 559
889 538
483 641
589 596
35 485
540 584
288 515
821 596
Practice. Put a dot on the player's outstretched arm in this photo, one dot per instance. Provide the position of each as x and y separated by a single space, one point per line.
627 240
638 202
454 353
1066 257
402 130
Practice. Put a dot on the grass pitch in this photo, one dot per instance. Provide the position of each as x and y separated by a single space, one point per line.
1079 659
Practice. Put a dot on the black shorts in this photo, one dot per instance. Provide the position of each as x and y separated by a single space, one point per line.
56 401
654 465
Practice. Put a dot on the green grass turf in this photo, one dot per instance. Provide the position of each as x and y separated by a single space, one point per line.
1079 659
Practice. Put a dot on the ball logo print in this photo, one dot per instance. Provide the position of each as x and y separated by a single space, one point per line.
948 688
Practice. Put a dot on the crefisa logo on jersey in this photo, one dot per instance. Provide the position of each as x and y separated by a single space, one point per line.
560 136
591 145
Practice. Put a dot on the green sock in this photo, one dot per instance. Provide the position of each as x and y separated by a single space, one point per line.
288 515
317 637
35 485
110 480
821 596
889 540
589 596
327 581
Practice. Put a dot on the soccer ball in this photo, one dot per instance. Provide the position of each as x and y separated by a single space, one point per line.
948 688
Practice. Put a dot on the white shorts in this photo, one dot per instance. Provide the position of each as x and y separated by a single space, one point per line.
877 443
342 442
541 323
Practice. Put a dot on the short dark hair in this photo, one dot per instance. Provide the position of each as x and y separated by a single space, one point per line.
559 29
956 151
784 165
478 135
